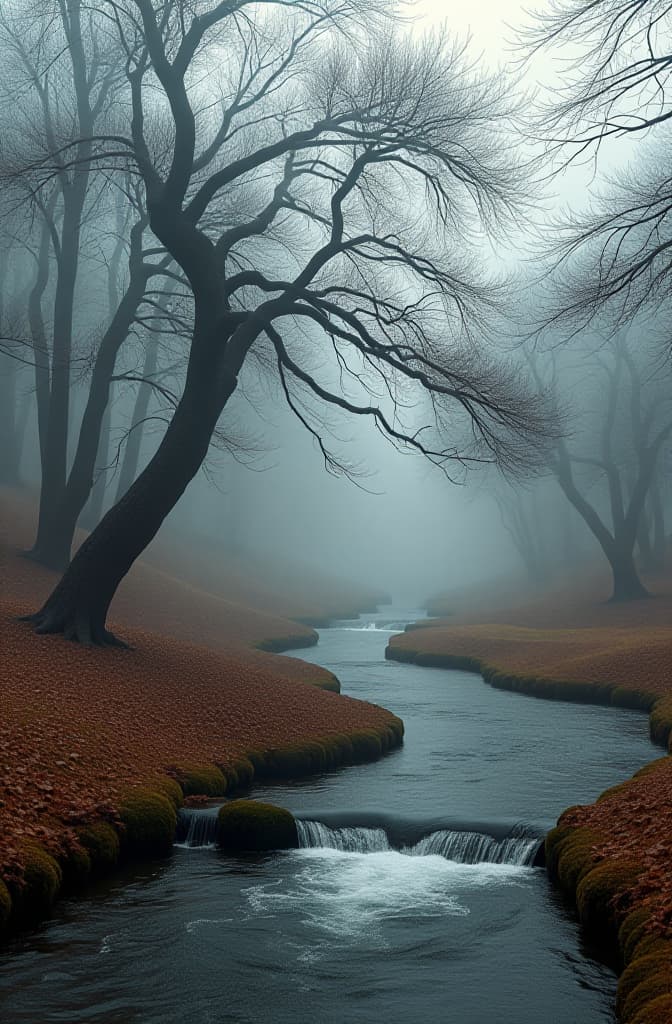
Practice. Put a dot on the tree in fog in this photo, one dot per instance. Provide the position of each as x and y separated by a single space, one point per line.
621 412
316 177
62 81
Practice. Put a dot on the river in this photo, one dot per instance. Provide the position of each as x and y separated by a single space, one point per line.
336 936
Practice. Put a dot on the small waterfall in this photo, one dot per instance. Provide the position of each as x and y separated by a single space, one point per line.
371 626
462 847
476 848
196 826
350 840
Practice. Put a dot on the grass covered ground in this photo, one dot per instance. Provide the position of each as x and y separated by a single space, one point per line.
614 857
86 733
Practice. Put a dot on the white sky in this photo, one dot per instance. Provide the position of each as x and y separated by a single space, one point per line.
485 20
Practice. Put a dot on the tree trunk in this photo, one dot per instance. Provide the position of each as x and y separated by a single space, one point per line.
618 549
131 459
79 604
647 559
92 512
659 545
626 582
57 526
54 467
38 335
9 446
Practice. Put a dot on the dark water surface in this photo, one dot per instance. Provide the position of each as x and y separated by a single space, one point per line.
329 936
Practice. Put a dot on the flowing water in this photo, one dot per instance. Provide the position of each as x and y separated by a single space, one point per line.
413 898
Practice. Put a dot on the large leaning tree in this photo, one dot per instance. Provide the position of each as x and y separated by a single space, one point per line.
317 177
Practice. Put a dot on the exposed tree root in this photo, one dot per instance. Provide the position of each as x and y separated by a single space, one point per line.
80 627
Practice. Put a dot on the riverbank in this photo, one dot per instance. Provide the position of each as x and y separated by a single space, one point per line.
99 746
612 858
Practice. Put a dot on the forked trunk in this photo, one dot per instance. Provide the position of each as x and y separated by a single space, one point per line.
79 604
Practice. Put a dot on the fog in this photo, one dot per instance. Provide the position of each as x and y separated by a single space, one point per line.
380 516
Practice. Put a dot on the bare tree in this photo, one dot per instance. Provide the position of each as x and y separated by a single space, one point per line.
622 419
615 71
310 130
616 61
64 75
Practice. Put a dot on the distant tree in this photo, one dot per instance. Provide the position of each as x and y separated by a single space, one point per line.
520 518
621 419
63 75
309 130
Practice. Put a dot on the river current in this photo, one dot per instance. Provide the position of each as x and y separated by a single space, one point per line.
337 936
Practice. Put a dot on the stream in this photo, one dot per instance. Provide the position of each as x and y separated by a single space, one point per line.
375 926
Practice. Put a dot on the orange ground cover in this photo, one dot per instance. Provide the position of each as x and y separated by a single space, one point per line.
639 658
574 636
79 725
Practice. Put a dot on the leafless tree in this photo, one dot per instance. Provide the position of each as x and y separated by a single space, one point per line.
622 417
616 58
314 136
616 64
63 76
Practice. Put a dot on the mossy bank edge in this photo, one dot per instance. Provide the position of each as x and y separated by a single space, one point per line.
143 826
598 887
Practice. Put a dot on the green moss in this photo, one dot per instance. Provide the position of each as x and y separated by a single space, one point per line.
252 825
596 893
202 780
101 842
5 905
39 887
651 766
291 759
660 721
631 931
553 848
656 984
259 761
613 790
76 866
650 943
657 1012
638 971
245 771
342 750
366 745
575 858
149 820
625 697
170 788
330 683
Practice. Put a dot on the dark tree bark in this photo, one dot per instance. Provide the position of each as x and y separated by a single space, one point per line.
92 512
10 450
618 543
58 528
131 459
658 516
442 135
10 453
79 605
54 467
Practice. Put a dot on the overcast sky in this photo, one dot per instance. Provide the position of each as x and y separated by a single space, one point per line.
485 20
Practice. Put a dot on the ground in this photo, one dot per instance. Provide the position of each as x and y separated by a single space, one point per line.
80 727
